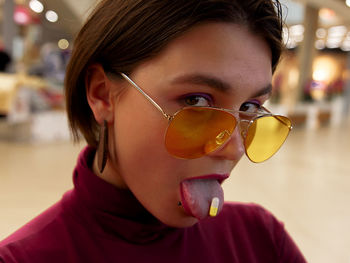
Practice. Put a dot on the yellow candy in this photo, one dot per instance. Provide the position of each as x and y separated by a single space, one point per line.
214 206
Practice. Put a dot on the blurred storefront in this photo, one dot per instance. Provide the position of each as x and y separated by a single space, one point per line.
312 82
35 45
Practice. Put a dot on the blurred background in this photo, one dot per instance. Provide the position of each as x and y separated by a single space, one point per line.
306 185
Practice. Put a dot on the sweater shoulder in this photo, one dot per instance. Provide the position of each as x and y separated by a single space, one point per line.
34 234
249 212
258 230
252 220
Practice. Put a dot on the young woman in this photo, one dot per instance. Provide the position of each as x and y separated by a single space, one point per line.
168 95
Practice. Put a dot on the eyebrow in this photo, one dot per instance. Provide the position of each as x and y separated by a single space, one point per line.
204 80
217 84
264 91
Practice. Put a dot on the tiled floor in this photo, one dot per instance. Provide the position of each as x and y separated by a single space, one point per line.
307 185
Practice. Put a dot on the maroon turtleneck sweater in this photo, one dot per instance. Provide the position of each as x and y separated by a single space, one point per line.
96 222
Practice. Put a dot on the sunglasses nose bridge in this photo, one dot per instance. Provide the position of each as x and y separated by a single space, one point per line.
233 146
243 127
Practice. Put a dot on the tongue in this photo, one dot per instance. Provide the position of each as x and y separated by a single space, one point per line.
197 194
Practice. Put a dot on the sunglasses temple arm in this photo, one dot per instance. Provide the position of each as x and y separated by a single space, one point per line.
145 95
288 125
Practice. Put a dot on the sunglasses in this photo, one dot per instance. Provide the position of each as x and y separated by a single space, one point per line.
197 131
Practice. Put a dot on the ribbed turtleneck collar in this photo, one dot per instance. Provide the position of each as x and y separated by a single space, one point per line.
108 210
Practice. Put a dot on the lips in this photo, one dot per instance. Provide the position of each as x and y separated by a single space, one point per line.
198 192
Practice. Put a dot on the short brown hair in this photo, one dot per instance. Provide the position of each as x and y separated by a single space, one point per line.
120 34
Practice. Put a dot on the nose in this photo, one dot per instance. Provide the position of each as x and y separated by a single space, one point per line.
233 149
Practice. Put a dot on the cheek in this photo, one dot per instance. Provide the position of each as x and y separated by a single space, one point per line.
144 164
146 167
139 134
141 154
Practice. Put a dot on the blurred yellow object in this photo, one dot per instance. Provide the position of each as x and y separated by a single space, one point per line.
213 210
9 85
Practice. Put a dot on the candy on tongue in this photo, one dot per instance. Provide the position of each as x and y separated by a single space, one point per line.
197 194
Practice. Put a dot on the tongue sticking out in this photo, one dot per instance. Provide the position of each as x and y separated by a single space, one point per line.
197 195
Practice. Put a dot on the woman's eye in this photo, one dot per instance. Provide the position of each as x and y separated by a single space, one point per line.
197 100
250 107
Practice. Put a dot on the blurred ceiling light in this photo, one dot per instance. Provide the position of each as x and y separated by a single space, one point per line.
22 15
299 38
320 44
21 18
348 34
321 33
285 35
291 44
320 74
296 30
333 42
345 46
337 31
326 14
325 69
63 43
36 6
289 40
51 16
327 17
348 3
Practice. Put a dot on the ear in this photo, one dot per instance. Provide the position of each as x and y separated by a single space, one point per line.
98 93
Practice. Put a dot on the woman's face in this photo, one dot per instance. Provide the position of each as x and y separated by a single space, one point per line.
214 64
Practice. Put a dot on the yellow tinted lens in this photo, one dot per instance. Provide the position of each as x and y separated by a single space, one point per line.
195 132
265 136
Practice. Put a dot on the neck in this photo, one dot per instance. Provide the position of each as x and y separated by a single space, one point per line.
109 174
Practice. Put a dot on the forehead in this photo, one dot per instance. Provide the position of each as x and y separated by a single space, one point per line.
227 51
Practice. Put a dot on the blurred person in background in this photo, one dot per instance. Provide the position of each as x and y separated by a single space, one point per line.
168 95
5 60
